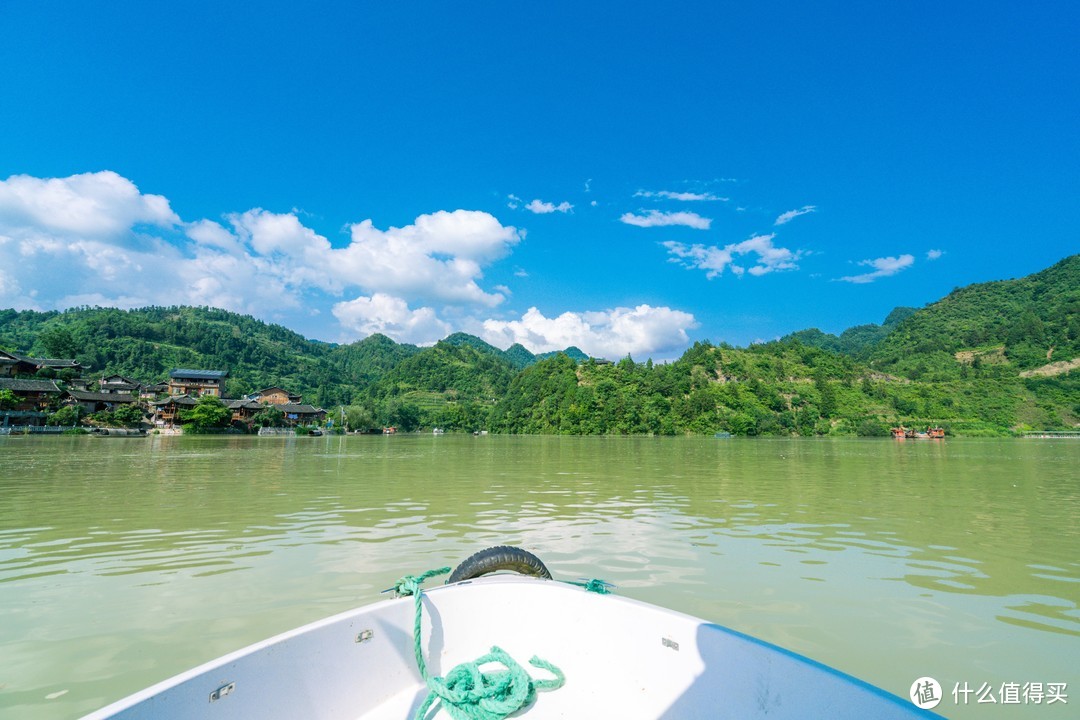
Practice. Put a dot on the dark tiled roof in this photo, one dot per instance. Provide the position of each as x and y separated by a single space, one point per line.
117 380
53 362
20 385
300 409
185 400
246 404
198 374
83 396
120 386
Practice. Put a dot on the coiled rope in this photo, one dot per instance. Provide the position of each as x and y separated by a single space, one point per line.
467 692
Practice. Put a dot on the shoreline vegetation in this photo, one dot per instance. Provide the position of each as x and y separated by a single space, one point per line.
993 359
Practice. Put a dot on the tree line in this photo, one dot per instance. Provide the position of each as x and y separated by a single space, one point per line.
954 363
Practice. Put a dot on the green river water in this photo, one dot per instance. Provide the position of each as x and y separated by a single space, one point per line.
126 560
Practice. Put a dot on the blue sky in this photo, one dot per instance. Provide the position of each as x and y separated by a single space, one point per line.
624 177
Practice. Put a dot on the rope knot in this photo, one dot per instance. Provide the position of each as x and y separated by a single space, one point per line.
471 693
468 692
410 584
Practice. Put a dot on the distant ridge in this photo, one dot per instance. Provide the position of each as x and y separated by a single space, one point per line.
989 358
517 355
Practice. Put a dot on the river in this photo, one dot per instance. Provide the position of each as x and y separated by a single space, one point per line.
126 560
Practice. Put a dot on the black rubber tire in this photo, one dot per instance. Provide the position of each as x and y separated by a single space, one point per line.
500 557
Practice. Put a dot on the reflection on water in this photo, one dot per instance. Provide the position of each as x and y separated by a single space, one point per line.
123 561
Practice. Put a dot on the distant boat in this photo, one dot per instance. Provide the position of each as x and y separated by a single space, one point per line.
901 433
722 435
438 431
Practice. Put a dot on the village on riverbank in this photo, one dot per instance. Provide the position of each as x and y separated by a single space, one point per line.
58 394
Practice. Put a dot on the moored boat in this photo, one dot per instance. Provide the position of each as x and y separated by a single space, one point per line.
901 433
117 432
447 649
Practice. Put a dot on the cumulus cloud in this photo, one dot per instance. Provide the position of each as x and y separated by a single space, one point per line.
543 208
655 218
790 215
391 316
95 239
681 196
98 205
440 256
933 254
615 333
883 267
766 257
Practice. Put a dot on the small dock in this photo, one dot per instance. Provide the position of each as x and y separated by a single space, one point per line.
1052 434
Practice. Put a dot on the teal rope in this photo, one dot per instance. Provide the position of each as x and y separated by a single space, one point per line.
597 586
467 692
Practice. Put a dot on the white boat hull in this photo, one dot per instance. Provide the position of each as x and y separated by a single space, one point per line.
621 658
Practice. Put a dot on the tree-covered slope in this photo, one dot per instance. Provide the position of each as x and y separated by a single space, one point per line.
858 341
145 344
1023 323
366 361
956 362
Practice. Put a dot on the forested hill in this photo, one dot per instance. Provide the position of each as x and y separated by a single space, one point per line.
985 359
147 343
858 341
1025 323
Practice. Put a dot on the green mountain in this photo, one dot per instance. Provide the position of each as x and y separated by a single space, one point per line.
858 341
572 352
1022 323
366 361
145 344
517 355
986 359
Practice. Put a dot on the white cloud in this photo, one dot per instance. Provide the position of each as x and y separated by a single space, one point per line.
655 218
639 331
543 208
392 317
513 202
933 254
790 215
94 239
714 260
210 234
440 256
681 196
101 204
883 267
